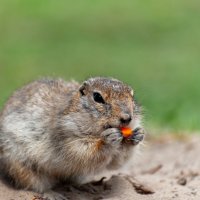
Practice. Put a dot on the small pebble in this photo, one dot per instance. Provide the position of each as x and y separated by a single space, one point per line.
182 181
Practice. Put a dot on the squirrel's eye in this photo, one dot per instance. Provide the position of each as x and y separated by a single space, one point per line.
98 98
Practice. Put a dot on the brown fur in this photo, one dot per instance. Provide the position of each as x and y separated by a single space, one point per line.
52 130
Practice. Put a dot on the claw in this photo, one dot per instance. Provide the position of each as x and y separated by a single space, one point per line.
137 137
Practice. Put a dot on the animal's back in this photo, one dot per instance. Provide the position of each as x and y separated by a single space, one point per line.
28 117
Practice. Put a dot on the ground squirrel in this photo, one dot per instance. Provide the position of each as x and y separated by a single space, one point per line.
52 131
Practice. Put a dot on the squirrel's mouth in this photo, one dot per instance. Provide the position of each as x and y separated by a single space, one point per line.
107 126
117 125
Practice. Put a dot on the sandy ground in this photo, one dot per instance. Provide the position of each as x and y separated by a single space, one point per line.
167 168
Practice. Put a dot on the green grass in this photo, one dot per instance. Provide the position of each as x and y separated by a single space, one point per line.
152 45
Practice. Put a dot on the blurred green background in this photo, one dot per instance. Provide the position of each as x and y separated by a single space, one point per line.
152 45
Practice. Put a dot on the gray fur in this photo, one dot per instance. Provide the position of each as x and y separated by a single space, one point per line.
49 131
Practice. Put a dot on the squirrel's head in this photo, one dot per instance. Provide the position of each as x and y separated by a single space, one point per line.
109 101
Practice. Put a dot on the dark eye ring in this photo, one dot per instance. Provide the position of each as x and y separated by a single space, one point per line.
98 98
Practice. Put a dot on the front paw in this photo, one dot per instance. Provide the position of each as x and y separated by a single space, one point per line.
137 137
112 136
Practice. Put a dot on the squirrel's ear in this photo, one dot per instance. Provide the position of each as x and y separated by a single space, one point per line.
83 88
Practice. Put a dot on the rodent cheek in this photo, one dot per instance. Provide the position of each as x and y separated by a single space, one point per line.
113 116
101 110
113 122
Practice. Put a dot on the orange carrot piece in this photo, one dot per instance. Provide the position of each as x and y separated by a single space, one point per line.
126 132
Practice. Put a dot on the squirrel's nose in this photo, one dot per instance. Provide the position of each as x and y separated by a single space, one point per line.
125 119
